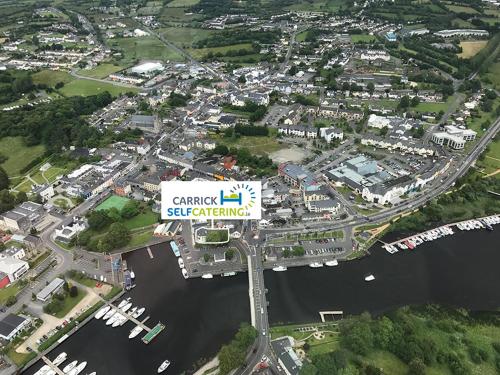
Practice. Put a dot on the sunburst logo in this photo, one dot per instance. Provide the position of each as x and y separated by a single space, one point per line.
243 194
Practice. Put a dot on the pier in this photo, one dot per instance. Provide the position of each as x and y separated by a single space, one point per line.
153 333
52 366
129 317
335 313
414 240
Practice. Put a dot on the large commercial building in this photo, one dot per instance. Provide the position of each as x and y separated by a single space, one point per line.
454 137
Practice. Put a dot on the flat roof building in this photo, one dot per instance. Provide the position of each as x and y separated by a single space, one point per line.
46 293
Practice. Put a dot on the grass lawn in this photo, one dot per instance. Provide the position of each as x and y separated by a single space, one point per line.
142 220
70 302
433 107
182 3
51 77
101 70
493 75
39 259
471 47
20 359
256 145
10 290
460 23
169 14
140 238
199 53
461 9
143 48
19 155
363 38
387 361
85 87
113 201
185 36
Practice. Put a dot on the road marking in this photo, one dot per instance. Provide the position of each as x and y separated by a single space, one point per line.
150 253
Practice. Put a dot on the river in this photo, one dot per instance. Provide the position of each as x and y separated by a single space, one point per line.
201 315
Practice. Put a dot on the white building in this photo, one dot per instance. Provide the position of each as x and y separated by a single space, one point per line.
11 325
462 32
329 134
372 55
13 268
454 137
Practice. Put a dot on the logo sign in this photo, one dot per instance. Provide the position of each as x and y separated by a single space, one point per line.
199 200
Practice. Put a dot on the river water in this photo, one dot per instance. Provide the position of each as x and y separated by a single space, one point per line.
201 315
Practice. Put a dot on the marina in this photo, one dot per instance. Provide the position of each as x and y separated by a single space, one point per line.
411 242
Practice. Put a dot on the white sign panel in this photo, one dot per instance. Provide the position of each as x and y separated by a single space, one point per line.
199 200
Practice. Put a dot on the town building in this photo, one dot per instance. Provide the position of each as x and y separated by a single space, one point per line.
11 325
23 217
54 286
453 137
331 133
12 267
287 358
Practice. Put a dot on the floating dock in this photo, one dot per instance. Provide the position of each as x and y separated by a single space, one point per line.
155 331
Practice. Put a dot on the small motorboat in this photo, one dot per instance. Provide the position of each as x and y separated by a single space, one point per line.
163 366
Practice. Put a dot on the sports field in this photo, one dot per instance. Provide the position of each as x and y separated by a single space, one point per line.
113 201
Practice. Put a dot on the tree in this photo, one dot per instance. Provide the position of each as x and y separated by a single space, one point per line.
414 101
293 70
130 209
11 301
242 79
308 369
404 102
416 367
73 291
4 179
229 254
370 87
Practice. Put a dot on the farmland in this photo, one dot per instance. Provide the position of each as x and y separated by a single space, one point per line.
19 155
85 87
143 48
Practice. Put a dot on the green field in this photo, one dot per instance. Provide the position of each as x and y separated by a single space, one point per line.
185 36
140 238
144 219
101 70
199 53
318 5
83 87
70 302
51 77
19 155
143 48
493 75
114 201
256 145
182 3
461 9
8 291
363 38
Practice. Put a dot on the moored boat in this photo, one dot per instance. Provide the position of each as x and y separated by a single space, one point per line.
332 263
60 359
135 331
207 276
69 367
163 366
280 269
369 278
102 312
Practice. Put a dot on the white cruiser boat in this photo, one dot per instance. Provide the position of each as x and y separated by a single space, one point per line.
109 314
138 313
132 274
102 312
135 332
163 366
93 373
332 263
42 370
369 278
60 359
181 262
70 367
207 276
78 369
316 265
280 269
113 319
185 273
133 310
118 322
124 302
127 307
